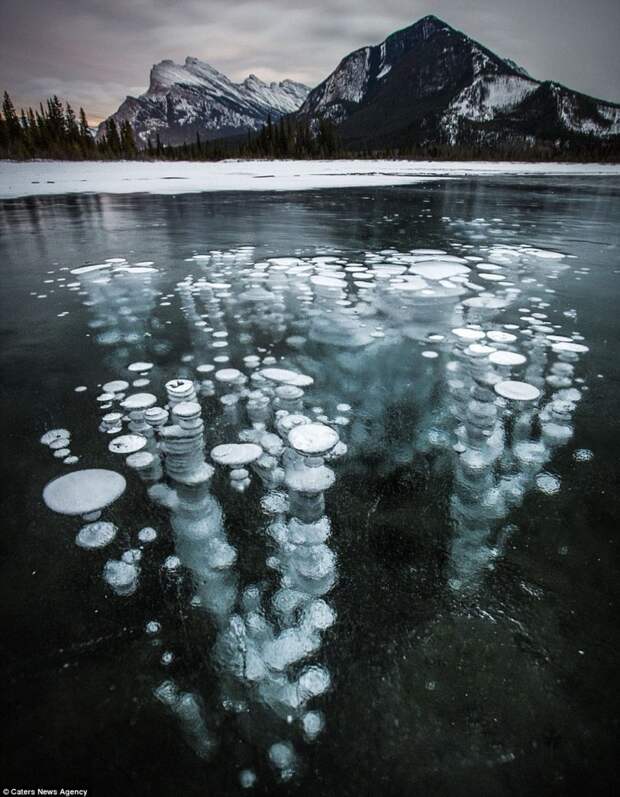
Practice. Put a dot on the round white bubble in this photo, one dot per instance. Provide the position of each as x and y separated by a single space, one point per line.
517 391
83 491
96 535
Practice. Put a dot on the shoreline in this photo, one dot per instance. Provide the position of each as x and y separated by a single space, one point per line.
20 179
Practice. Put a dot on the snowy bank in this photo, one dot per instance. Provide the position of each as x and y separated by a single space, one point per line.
164 177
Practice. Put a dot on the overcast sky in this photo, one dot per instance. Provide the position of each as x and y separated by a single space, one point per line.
95 52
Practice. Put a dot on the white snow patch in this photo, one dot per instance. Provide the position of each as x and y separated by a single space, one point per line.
487 95
348 83
126 177
571 118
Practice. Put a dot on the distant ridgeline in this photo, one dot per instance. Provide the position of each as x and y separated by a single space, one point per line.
53 131
427 91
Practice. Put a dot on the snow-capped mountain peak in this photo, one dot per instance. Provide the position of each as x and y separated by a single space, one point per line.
431 84
194 97
425 84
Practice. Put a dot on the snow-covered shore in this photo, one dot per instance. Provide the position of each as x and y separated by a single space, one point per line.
164 177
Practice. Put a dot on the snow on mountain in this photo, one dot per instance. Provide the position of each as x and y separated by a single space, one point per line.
430 83
603 122
425 84
183 100
483 99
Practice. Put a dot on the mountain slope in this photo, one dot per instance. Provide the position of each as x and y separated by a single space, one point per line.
429 83
183 100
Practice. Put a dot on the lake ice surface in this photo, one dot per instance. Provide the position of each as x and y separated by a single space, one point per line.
428 605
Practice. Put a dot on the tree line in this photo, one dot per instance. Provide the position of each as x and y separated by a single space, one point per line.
54 130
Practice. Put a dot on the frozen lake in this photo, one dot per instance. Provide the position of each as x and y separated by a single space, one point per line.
363 536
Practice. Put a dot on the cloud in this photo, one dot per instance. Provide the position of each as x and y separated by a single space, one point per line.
95 52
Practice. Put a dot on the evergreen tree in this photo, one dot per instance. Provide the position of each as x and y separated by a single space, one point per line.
84 129
127 144
113 141
71 125
4 138
55 124
87 143
13 131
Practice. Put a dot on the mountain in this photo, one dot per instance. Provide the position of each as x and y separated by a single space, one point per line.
195 98
431 84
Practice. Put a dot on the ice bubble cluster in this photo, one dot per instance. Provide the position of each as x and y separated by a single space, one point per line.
295 367
59 443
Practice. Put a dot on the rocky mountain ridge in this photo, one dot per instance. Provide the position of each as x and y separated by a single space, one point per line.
194 98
